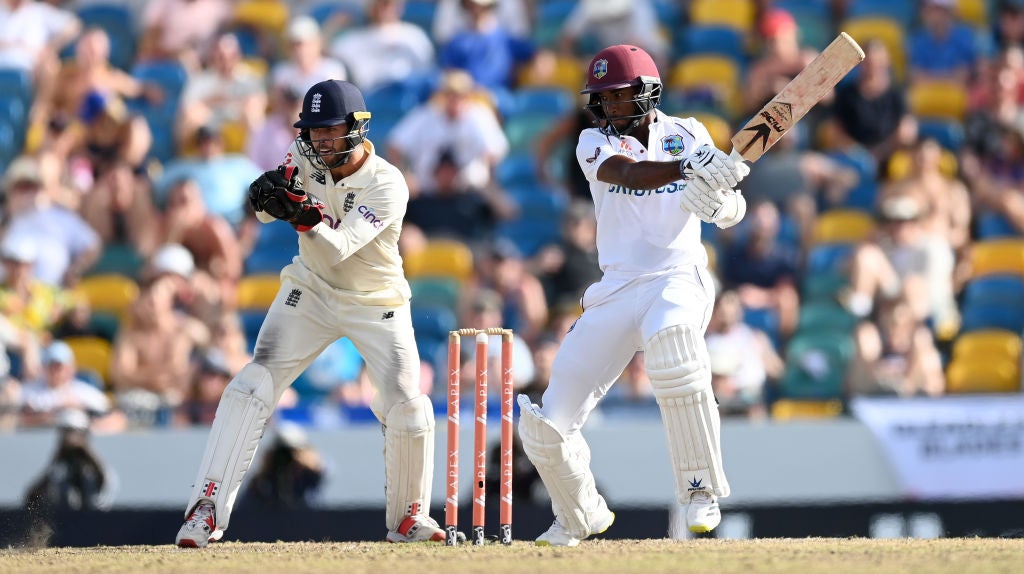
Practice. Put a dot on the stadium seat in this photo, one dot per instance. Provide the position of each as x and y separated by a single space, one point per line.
119 258
110 293
996 289
276 245
92 353
266 15
816 365
829 257
421 13
717 40
900 164
843 226
553 102
888 30
973 12
822 286
717 126
257 291
736 14
997 344
435 292
824 316
517 169
564 71
905 13
325 10
977 316
938 100
997 256
522 131
440 258
992 225
949 133
983 376
170 76
433 322
718 74
16 82
337 364
790 409
252 321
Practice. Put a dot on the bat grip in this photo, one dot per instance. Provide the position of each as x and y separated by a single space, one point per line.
735 156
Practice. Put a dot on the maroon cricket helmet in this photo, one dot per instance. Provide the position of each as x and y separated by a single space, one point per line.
618 67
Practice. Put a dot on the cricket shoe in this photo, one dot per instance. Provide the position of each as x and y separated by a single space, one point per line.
418 528
200 528
702 513
557 535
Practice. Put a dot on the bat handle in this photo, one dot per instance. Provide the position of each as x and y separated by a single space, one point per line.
735 156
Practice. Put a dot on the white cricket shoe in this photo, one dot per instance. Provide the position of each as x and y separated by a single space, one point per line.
418 528
200 528
557 535
702 513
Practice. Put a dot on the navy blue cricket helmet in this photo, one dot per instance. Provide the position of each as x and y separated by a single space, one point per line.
326 104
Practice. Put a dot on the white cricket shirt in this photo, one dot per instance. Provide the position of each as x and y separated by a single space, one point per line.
355 248
644 230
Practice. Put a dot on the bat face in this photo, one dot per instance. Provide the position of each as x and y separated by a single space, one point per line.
800 95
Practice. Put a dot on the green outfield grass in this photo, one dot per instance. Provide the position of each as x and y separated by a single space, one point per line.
801 556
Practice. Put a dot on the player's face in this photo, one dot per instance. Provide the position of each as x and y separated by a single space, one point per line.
619 106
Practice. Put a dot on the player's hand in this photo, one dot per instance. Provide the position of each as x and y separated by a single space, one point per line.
713 166
279 193
701 199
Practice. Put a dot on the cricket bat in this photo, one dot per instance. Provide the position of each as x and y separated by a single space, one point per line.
800 95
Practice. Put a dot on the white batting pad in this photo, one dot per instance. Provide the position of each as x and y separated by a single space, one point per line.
408 459
237 428
678 366
563 463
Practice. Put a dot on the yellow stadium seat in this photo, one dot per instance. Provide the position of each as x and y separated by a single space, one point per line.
789 409
843 226
257 291
440 258
270 15
997 256
900 164
234 135
986 375
555 71
719 73
888 31
92 353
110 293
718 127
736 14
973 12
996 344
938 100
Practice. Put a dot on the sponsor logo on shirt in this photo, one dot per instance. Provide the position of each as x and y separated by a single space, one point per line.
621 189
368 215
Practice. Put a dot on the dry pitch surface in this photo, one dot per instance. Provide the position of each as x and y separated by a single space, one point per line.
801 556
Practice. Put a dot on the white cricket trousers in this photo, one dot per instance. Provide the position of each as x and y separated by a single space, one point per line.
620 314
308 315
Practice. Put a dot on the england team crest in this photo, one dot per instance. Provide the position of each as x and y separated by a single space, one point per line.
672 144
600 68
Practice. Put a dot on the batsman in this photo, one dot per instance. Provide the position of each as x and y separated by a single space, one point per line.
346 203
655 295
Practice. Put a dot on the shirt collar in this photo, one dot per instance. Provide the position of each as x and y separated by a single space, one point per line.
364 175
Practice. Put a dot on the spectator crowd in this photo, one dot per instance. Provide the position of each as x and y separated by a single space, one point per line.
882 252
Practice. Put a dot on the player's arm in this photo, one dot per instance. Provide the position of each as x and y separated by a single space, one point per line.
366 221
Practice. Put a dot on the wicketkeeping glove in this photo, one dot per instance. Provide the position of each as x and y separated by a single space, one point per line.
713 166
279 193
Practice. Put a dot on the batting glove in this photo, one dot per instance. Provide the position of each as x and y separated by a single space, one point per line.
713 166
700 199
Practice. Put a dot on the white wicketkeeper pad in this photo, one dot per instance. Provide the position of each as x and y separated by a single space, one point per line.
408 459
237 428
563 463
679 368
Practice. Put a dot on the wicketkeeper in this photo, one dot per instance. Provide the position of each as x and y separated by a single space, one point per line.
346 203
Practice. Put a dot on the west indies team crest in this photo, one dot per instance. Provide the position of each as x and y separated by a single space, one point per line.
672 144
600 68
